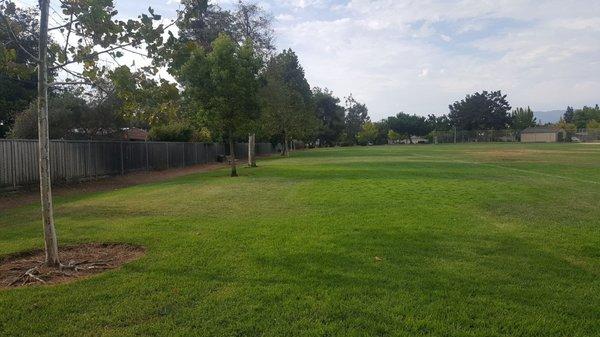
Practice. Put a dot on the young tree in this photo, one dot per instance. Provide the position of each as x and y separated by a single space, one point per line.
357 114
287 110
331 116
393 137
368 134
223 83
98 32
522 119
481 111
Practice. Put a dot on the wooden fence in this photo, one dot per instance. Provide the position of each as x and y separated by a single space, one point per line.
80 160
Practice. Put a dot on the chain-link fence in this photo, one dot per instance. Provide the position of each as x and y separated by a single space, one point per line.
473 136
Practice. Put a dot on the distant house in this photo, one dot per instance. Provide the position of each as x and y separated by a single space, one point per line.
540 134
135 134
415 140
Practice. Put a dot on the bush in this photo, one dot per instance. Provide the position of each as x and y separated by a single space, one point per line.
175 132
64 114
202 136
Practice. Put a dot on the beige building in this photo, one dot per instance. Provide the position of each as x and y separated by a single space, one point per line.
542 135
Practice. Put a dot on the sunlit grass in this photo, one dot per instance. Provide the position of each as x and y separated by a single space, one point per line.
466 240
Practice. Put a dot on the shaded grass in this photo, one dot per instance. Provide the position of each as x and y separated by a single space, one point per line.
475 240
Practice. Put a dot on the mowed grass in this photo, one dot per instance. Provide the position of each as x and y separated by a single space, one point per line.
470 240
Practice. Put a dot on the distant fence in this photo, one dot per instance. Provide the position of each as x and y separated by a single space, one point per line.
476 136
588 135
81 160
470 136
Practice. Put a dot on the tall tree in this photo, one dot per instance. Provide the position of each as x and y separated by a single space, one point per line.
357 115
331 116
522 119
287 107
200 22
224 84
481 111
569 114
252 22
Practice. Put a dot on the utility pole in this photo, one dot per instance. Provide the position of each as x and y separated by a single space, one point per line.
51 243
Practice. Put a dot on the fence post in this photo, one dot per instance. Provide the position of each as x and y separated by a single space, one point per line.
13 163
89 170
147 159
167 144
122 160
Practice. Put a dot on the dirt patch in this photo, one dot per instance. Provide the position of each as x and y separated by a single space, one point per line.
79 261
32 195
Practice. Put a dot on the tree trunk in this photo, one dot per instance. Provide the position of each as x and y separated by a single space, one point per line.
232 156
286 149
252 150
50 240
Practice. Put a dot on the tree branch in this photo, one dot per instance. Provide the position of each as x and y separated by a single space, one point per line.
86 81
94 54
68 24
55 84
68 36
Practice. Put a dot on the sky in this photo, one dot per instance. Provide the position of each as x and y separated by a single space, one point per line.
419 56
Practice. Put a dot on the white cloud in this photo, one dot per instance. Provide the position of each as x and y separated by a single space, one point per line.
395 54
284 17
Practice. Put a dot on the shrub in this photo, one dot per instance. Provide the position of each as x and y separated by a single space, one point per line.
175 132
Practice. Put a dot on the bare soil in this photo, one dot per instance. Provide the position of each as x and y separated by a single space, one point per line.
79 261
31 195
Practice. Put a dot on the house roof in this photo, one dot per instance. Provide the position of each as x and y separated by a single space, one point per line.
135 134
538 129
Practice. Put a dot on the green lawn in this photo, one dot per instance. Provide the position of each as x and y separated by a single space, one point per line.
474 240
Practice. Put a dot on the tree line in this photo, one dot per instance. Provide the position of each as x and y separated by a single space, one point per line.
229 81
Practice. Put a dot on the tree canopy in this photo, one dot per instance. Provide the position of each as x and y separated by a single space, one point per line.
223 83
522 119
331 116
286 99
481 111
357 115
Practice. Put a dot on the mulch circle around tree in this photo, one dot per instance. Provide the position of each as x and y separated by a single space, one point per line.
79 261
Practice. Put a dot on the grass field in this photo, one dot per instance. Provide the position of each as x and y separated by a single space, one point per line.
450 240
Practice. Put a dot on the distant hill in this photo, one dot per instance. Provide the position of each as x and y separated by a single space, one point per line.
551 116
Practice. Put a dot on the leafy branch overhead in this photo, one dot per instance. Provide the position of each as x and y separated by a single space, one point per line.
91 29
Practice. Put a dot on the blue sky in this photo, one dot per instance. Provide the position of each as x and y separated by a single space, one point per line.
419 56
